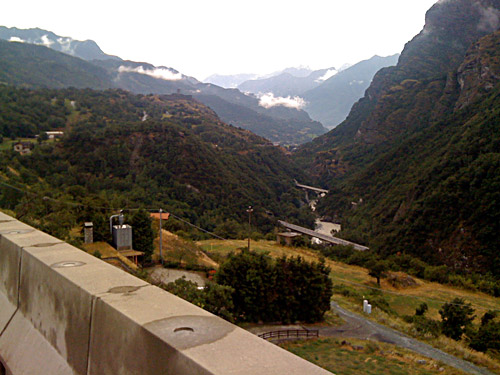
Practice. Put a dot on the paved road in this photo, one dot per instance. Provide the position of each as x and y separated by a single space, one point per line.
359 327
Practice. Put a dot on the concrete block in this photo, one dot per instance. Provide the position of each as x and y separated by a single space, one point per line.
65 312
60 307
10 257
7 310
25 351
169 335
118 331
13 236
241 353
5 217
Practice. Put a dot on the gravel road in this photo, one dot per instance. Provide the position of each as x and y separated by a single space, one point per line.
358 326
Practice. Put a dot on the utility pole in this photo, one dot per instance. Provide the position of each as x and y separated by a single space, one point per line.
161 239
249 210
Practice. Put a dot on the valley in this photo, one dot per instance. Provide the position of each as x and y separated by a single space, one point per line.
396 157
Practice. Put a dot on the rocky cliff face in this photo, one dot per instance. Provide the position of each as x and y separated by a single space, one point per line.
434 76
480 70
422 147
417 91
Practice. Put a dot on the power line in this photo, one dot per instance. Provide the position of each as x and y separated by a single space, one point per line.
74 204
197 227
224 239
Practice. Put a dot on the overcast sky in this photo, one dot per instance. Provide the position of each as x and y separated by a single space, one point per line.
202 37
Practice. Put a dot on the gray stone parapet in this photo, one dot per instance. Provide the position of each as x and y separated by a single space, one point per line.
63 311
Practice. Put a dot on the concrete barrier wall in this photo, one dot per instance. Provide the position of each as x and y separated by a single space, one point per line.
63 311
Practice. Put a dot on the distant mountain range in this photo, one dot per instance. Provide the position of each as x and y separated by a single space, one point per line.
288 83
327 94
229 81
331 101
279 106
280 123
87 50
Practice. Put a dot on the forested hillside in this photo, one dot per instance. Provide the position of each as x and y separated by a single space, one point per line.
415 166
29 65
122 150
36 66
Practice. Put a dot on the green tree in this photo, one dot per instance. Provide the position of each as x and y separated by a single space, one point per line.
487 337
218 299
42 137
456 317
377 269
285 290
251 276
303 290
422 309
142 234
214 298
101 231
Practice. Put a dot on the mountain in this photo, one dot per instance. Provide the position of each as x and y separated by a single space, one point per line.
229 81
278 130
328 94
125 150
301 71
37 66
414 168
232 81
144 78
285 84
280 122
331 101
87 50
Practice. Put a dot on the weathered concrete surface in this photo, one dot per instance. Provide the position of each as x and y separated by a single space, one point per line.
65 312
25 351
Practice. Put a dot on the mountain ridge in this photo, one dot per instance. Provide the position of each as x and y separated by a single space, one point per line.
47 69
86 50
414 167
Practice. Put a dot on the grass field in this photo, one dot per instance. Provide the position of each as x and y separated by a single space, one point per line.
402 301
354 357
183 252
7 142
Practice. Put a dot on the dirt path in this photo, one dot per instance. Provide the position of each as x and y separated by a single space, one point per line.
357 326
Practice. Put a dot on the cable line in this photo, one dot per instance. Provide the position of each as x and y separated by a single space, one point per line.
74 204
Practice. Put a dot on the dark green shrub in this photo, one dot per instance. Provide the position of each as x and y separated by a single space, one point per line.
438 274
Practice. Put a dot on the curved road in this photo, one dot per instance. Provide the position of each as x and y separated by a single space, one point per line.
358 326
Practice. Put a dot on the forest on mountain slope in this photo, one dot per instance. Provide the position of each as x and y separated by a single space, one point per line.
414 168
122 150
35 66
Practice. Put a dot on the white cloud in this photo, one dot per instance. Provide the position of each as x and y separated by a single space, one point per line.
65 44
356 82
269 100
16 39
329 74
46 41
161 73
490 19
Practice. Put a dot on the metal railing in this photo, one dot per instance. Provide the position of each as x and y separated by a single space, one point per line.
290 334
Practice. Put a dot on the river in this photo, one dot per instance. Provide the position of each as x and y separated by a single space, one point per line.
323 227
